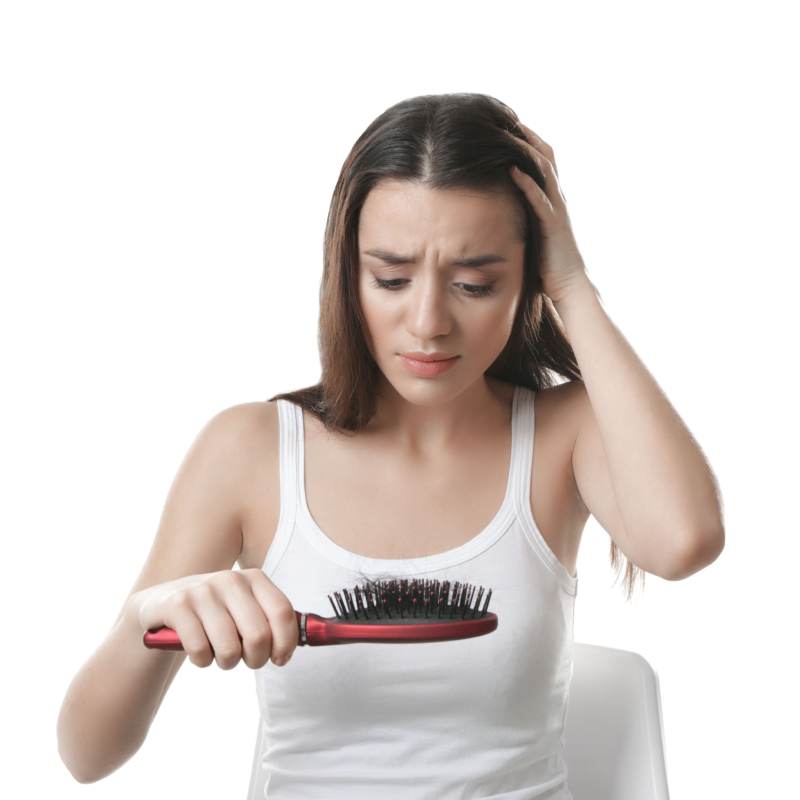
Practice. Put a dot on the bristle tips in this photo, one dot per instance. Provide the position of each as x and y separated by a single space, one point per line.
406 599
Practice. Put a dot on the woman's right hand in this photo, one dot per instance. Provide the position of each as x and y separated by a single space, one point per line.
227 615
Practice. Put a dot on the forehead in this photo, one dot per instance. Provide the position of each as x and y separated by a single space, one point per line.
404 214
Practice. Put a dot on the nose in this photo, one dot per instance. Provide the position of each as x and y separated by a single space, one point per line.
428 312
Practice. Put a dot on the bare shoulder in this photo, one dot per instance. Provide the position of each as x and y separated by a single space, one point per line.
242 439
241 432
253 435
257 419
254 413
246 437
257 435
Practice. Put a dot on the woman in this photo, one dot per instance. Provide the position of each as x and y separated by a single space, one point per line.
434 249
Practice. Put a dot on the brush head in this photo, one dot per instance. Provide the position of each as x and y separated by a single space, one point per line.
403 601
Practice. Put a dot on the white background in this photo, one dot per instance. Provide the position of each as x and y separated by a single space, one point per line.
166 169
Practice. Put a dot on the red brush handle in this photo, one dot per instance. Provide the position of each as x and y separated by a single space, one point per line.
317 630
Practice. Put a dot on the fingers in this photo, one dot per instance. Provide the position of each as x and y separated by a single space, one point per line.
180 615
537 149
228 616
539 143
537 196
280 614
551 197
263 616
220 628
253 638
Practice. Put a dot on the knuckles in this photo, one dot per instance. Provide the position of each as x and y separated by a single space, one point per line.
232 578
178 600
201 658
255 649
261 639
228 657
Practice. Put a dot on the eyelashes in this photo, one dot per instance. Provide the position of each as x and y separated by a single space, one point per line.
471 289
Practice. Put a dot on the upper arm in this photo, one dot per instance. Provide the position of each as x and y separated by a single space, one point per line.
593 481
592 475
200 526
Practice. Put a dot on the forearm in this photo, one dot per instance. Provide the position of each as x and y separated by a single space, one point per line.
111 702
661 479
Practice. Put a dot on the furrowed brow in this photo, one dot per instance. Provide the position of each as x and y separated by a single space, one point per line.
475 261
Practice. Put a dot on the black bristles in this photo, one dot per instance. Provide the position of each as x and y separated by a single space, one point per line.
402 600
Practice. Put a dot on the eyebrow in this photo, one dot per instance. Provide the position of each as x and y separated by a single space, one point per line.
475 261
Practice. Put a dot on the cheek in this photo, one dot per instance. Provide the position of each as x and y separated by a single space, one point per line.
381 308
375 310
501 309
493 327
378 317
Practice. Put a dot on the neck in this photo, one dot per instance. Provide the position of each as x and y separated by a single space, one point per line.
431 426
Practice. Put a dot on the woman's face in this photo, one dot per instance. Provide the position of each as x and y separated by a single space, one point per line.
437 304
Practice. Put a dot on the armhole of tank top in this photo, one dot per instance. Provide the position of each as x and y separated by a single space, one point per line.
527 426
287 459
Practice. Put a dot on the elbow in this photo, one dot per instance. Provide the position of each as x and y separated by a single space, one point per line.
78 774
698 553
75 757
74 770
73 766
84 773
81 779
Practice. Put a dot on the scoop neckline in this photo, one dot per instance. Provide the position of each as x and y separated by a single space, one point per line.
455 555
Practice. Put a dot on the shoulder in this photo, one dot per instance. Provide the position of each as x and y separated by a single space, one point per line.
240 433
241 421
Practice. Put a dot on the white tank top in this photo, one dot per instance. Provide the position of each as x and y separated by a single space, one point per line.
470 718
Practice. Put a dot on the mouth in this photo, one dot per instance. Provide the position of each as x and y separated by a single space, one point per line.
423 359
427 369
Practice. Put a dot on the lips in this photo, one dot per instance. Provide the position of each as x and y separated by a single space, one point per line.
416 356
428 369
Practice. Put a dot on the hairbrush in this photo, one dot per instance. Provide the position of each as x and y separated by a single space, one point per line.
394 610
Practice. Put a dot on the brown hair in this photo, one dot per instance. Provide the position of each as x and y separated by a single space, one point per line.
444 142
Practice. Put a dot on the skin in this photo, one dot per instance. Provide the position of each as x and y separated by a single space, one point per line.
433 310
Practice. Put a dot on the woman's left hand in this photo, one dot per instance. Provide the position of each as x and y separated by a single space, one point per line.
562 268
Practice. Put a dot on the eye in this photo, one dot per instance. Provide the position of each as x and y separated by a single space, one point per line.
472 289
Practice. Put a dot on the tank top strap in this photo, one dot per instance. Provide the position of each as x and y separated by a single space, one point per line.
291 432
289 460
522 446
